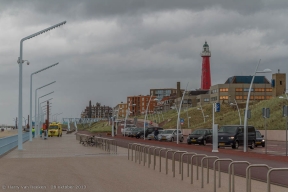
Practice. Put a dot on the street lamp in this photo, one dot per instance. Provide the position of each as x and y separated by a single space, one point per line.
202 112
36 117
30 124
146 113
178 118
39 109
57 116
117 120
281 97
20 139
238 110
247 103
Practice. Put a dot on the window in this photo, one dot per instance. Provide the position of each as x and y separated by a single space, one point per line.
239 97
224 90
238 89
205 100
259 89
280 82
268 97
213 98
214 91
259 97
223 97
142 98
268 89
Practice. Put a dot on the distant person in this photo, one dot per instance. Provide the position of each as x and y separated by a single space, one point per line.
41 131
156 133
33 132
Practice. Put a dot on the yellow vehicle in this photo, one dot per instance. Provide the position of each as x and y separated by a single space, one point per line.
55 129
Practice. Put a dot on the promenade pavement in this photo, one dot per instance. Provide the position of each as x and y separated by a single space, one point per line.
62 164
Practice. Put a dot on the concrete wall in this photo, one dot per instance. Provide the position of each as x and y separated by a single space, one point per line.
275 135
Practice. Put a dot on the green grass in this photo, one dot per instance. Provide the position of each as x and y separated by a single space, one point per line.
98 127
229 115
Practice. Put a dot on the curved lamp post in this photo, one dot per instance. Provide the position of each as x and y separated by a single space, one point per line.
281 97
39 109
146 113
238 110
178 118
36 117
20 61
30 124
247 103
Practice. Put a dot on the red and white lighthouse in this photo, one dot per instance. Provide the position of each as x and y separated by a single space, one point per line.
206 74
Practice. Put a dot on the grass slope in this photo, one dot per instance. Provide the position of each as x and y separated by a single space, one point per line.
227 116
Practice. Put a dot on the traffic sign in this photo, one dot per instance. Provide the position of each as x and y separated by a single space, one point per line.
217 107
181 120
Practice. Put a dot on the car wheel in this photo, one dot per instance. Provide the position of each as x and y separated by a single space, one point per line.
172 139
252 145
263 145
236 146
58 135
204 142
182 139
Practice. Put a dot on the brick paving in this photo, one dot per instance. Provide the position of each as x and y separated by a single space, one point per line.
62 164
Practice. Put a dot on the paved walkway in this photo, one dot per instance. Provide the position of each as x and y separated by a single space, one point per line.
62 164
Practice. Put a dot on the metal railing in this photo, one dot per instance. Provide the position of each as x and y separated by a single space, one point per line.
144 149
9 143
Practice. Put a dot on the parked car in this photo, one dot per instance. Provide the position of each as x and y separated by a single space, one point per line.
200 136
148 131
233 136
133 132
127 131
171 135
259 139
151 136
128 126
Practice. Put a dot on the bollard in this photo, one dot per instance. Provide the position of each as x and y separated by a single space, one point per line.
219 171
202 167
197 155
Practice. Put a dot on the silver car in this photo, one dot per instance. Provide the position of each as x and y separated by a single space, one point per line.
171 135
151 135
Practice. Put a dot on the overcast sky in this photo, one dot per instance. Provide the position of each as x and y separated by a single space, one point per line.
111 49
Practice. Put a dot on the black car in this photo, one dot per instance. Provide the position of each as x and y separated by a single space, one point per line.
259 139
233 136
148 131
200 136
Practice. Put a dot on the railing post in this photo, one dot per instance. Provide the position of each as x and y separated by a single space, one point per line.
202 167
268 176
182 162
197 155
248 175
214 167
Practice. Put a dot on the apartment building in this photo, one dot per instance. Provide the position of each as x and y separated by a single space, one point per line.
121 108
96 111
138 104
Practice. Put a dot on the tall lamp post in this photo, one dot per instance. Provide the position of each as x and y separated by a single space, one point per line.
286 123
178 118
237 109
39 109
30 124
247 104
147 107
36 117
20 61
